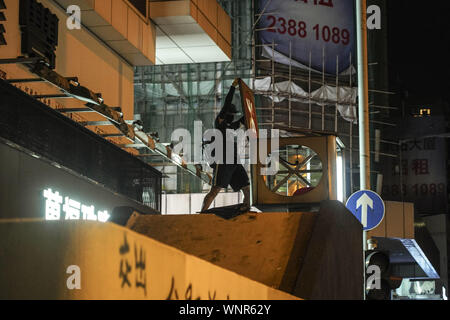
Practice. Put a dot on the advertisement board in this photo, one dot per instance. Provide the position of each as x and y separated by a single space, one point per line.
320 30
419 174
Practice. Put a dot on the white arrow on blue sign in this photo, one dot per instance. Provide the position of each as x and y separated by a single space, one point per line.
368 207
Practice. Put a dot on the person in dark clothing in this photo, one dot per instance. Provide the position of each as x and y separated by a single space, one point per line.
226 174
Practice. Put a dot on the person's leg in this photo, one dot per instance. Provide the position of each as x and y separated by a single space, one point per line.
246 191
220 180
209 198
239 182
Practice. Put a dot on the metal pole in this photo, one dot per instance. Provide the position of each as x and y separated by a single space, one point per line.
290 84
273 84
363 90
309 91
351 128
253 50
323 87
337 95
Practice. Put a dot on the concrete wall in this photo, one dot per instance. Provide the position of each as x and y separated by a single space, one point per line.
121 26
398 221
114 263
333 267
257 246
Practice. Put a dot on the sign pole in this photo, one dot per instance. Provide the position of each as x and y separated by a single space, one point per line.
363 104
363 90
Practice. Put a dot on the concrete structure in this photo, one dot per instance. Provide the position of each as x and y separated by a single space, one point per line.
88 260
81 54
397 223
113 38
309 255
191 31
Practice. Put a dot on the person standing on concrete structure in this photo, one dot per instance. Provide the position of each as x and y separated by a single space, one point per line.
226 174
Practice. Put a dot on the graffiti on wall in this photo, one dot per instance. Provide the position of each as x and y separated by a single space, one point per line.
133 275
127 263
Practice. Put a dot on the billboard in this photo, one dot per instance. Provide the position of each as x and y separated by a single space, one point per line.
419 174
299 29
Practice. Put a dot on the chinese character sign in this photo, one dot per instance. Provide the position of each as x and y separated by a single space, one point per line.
419 173
58 207
53 203
297 27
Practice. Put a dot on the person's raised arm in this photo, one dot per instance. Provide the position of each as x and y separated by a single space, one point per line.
229 97
228 100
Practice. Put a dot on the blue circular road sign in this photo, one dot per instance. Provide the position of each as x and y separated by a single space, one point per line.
368 207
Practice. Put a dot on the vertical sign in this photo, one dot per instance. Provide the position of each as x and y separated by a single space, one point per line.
419 175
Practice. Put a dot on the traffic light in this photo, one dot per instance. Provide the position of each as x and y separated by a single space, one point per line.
379 279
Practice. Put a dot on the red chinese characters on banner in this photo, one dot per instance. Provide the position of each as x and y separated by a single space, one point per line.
416 166
419 167
326 3
416 190
304 30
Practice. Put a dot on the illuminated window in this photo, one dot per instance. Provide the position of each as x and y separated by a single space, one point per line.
419 112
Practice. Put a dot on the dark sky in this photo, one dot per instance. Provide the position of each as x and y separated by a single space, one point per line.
419 34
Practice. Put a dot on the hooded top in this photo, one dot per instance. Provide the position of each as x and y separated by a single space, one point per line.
224 121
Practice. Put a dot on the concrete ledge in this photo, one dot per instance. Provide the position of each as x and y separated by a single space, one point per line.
268 248
121 26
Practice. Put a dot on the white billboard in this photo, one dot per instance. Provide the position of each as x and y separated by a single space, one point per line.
299 29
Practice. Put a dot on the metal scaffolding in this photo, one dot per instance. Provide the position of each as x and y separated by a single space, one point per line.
169 97
311 114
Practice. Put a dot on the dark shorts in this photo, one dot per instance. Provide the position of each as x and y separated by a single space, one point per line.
230 174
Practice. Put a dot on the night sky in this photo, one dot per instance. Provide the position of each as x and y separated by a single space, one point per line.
420 47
